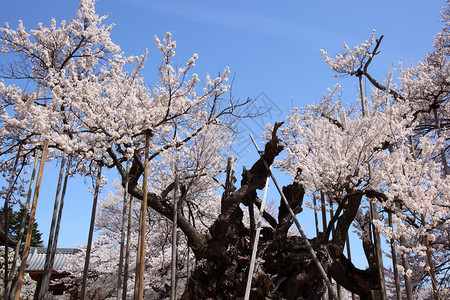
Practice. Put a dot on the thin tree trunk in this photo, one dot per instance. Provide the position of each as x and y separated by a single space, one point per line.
140 265
6 214
122 235
127 251
394 263
26 247
11 286
48 266
91 232
173 275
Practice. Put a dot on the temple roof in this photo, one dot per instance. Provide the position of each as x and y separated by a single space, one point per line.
36 258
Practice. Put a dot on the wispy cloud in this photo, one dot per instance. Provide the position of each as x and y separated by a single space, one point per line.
233 19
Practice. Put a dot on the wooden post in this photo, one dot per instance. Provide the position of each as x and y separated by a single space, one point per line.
48 266
140 264
394 263
11 286
316 219
377 242
26 248
91 232
122 235
173 275
6 214
127 250
338 287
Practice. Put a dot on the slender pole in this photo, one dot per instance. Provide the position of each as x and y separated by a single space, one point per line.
255 242
316 218
173 275
6 213
377 241
127 251
324 214
48 266
91 233
11 284
373 209
338 287
26 248
58 221
122 234
394 262
297 224
140 265
324 225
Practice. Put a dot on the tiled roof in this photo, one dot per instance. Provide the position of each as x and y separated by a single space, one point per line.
36 258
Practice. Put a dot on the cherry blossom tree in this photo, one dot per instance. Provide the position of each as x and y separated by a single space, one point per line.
88 99
363 153
84 97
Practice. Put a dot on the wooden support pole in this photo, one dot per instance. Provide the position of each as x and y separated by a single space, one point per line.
6 215
26 248
316 218
140 264
51 248
379 255
122 235
91 232
12 285
173 273
394 263
127 250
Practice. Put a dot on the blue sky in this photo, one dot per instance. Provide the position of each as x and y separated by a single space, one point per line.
271 47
